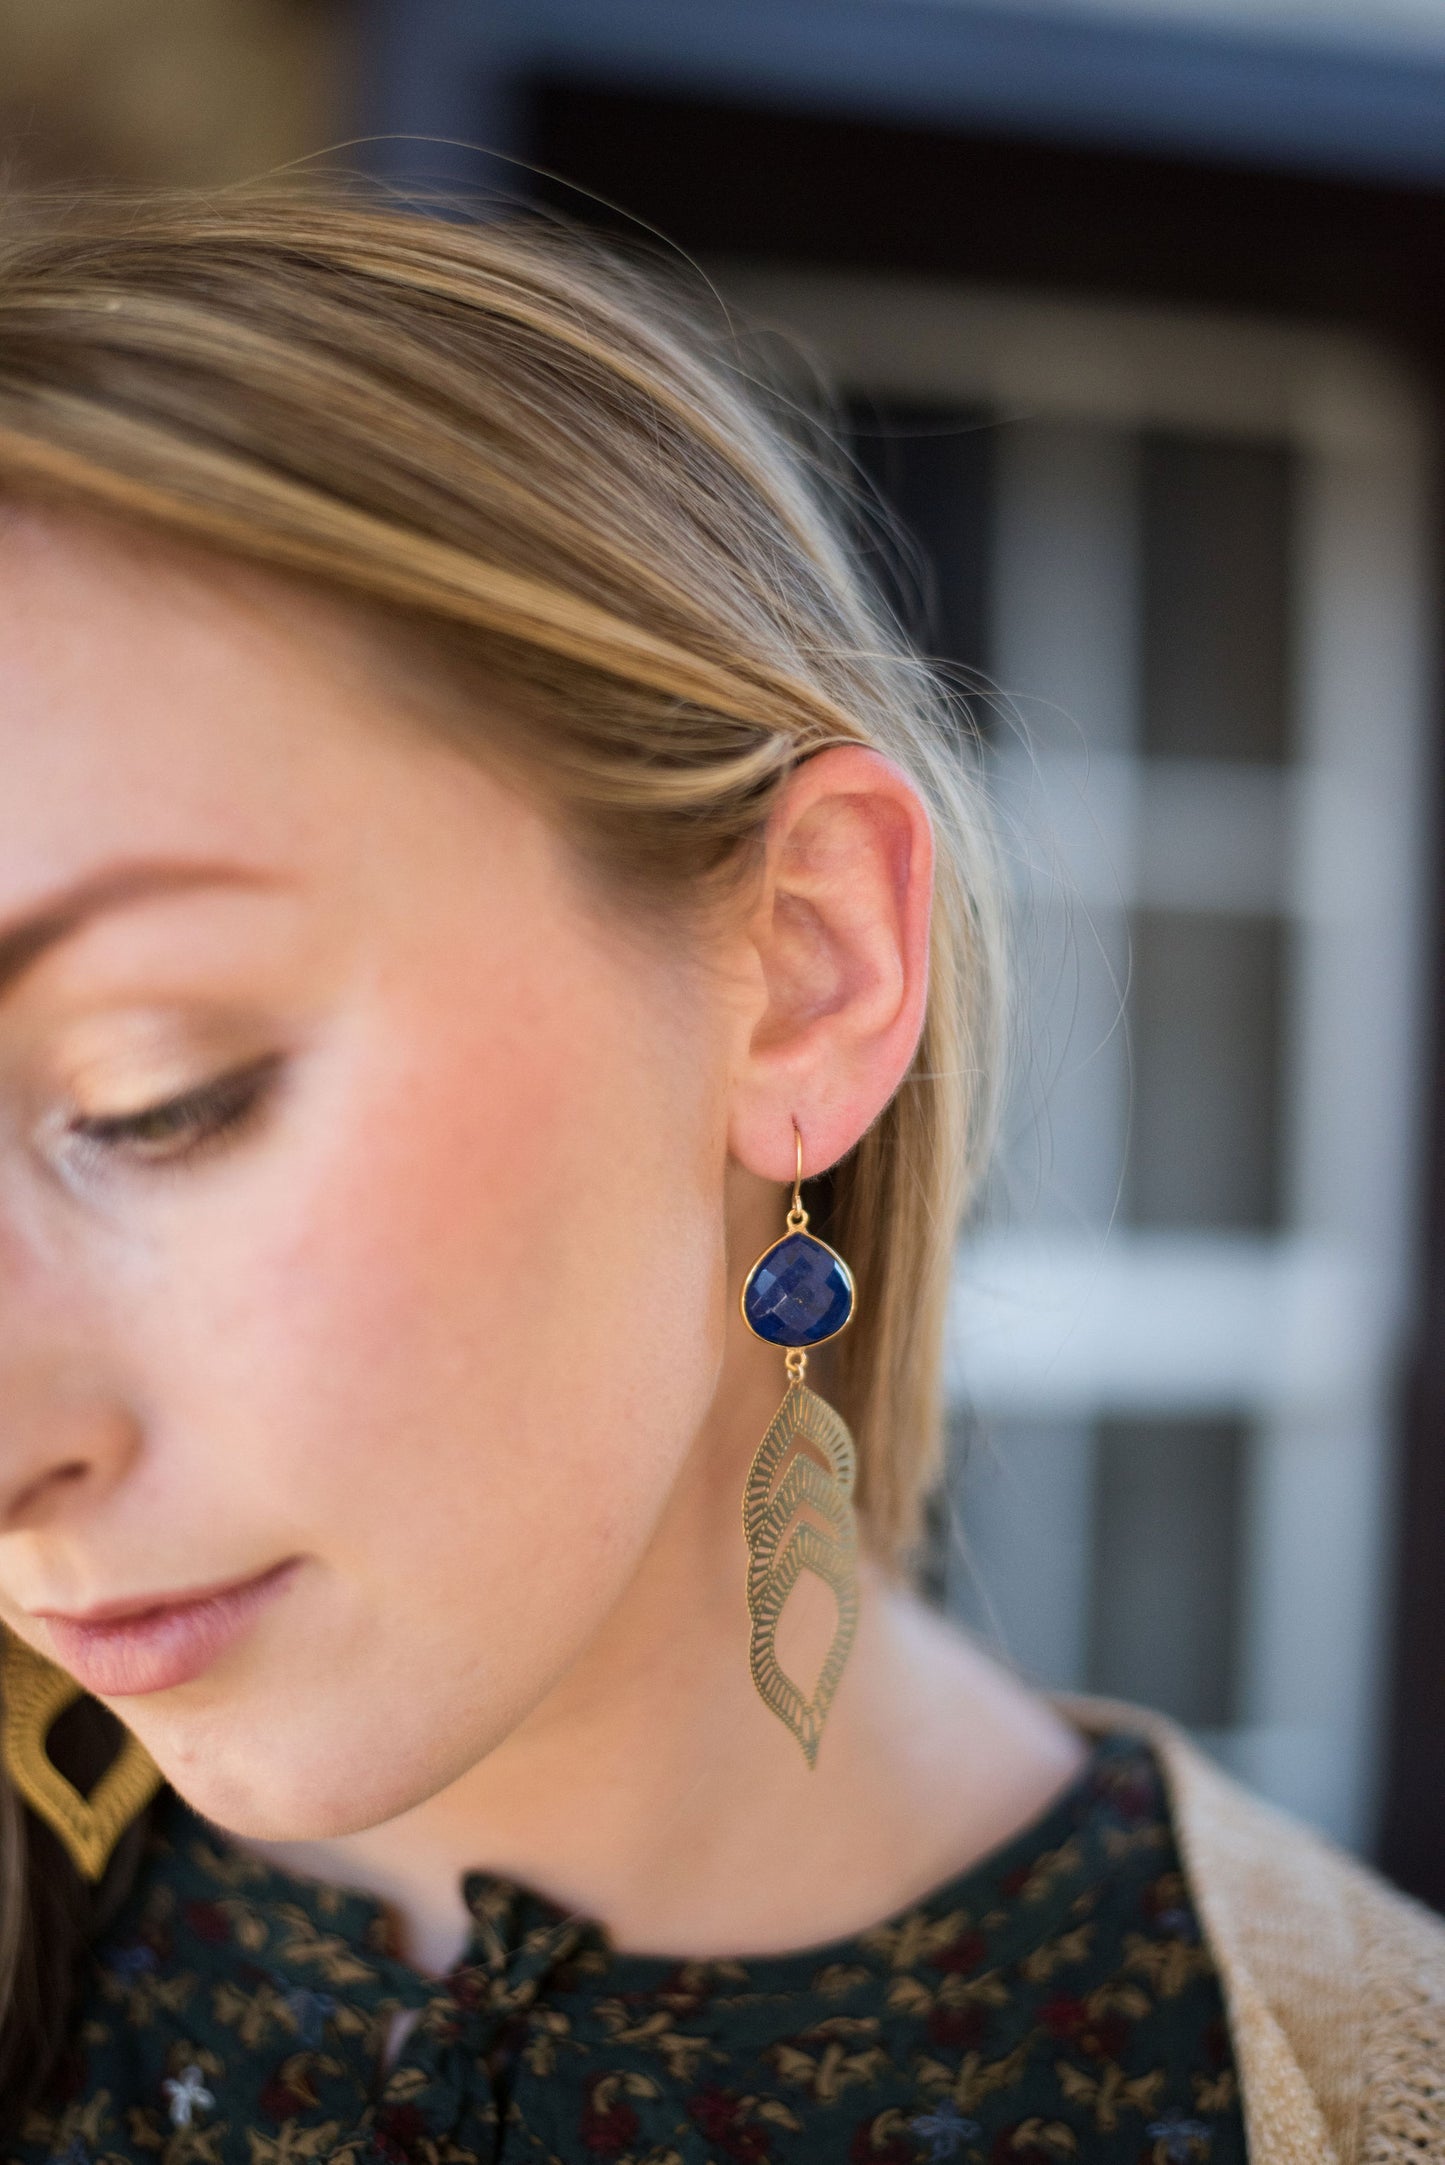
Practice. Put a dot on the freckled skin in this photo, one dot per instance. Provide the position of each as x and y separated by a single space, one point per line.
435 1269
455 1321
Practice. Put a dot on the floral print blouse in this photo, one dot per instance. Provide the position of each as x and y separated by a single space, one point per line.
1052 2005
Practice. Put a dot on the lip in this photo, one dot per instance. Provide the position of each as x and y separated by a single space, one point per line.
125 1649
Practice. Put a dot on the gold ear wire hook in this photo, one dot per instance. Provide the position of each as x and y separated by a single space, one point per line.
797 1216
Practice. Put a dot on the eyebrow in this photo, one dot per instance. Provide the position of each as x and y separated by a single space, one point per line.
25 939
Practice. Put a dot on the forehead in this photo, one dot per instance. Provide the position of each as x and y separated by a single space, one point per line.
153 699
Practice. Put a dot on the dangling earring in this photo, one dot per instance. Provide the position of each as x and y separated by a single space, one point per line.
36 1693
797 1503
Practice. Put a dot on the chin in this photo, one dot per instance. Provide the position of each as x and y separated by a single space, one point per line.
263 1791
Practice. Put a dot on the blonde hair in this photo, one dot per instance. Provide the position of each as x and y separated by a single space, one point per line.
530 461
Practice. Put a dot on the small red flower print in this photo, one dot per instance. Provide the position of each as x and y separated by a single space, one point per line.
1063 2017
1105 2038
1134 1797
608 2123
1102 2036
469 1986
963 1953
508 2040
957 2025
1033 2142
1014 1882
279 2101
399 2130
209 1922
722 2118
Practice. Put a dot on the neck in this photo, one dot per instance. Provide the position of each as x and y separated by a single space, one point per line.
654 1792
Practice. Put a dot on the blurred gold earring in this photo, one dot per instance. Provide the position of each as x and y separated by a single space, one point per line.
36 1693
797 1502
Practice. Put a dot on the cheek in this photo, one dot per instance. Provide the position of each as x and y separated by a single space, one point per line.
458 1358
487 1284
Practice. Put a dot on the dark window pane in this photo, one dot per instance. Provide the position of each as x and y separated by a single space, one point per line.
932 467
1206 1020
1168 1526
1216 604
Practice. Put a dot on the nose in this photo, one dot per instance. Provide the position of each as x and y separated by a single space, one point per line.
63 1441
66 1432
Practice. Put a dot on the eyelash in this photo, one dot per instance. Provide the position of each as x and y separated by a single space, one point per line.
200 1119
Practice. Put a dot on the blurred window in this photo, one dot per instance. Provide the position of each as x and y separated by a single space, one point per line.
1192 555
1164 1609
1206 1009
1214 598
930 470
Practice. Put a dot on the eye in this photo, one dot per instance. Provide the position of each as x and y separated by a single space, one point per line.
179 1127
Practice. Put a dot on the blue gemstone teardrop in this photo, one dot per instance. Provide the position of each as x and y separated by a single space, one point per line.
799 1293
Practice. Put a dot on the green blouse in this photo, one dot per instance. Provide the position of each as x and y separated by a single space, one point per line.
1052 2005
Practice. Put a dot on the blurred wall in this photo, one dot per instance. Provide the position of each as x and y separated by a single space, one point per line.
194 91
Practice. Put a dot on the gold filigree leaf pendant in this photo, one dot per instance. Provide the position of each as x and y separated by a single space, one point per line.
797 1502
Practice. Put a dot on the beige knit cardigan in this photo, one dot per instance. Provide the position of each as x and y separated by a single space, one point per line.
1334 1982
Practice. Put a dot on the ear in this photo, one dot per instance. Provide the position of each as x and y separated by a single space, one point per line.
838 972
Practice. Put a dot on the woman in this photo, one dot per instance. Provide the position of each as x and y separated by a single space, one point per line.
471 858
